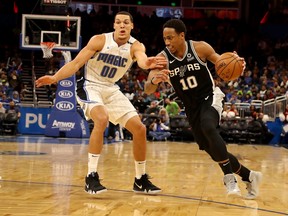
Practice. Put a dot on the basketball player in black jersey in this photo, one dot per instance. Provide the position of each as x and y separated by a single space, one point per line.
193 82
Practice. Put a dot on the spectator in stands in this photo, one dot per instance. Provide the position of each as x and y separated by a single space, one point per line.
247 78
247 98
2 109
128 92
168 89
13 109
4 81
5 100
283 116
234 98
228 90
122 82
225 110
139 103
172 107
14 80
157 94
269 94
2 67
163 114
153 108
15 97
262 91
253 112
13 65
2 91
158 130
146 98
12 115
23 91
258 96
232 112
265 132
240 96
284 81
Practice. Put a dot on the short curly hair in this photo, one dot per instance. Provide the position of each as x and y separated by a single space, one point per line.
177 24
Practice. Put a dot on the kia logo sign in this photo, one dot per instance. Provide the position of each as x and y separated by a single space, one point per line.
65 106
65 94
66 83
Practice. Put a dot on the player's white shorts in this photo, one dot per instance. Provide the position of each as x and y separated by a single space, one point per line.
119 108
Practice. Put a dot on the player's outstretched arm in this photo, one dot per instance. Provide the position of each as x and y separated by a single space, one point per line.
155 77
157 62
145 62
95 43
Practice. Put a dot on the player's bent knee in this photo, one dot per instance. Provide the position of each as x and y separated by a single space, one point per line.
208 129
143 129
100 121
139 130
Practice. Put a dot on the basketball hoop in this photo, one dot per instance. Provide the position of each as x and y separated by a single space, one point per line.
47 48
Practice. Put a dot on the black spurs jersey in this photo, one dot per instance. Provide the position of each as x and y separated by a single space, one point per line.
189 76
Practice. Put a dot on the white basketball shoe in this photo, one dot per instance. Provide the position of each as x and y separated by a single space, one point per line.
231 185
252 187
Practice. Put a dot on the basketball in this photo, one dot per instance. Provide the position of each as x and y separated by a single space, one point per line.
228 68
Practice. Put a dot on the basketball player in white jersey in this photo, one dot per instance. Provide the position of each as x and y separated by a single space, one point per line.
108 57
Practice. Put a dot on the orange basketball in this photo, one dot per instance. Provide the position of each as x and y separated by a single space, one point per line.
228 67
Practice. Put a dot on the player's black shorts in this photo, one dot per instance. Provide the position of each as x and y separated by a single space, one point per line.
203 113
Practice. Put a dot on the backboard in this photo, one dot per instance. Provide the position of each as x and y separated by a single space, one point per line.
63 30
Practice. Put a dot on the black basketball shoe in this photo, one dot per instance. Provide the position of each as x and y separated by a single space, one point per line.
143 185
92 184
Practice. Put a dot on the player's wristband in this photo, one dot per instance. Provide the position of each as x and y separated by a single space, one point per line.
152 81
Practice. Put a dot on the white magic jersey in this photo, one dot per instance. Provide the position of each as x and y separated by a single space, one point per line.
111 63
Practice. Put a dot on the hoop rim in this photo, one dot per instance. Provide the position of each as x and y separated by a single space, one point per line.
47 48
47 44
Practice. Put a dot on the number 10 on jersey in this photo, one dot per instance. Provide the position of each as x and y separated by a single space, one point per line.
189 83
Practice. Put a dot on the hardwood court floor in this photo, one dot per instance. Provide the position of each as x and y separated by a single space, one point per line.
44 176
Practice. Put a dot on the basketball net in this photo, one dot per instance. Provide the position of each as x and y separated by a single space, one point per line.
47 48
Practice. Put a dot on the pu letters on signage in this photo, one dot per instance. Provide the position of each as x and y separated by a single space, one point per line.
32 118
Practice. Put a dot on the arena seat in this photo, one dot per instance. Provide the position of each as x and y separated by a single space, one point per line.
10 123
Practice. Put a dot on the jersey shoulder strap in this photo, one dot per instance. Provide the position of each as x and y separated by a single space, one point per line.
131 40
167 54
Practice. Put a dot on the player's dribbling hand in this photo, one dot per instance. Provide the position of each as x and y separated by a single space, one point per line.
45 80
161 76
243 61
158 62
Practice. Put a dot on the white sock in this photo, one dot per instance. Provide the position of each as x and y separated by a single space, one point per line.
92 162
140 167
